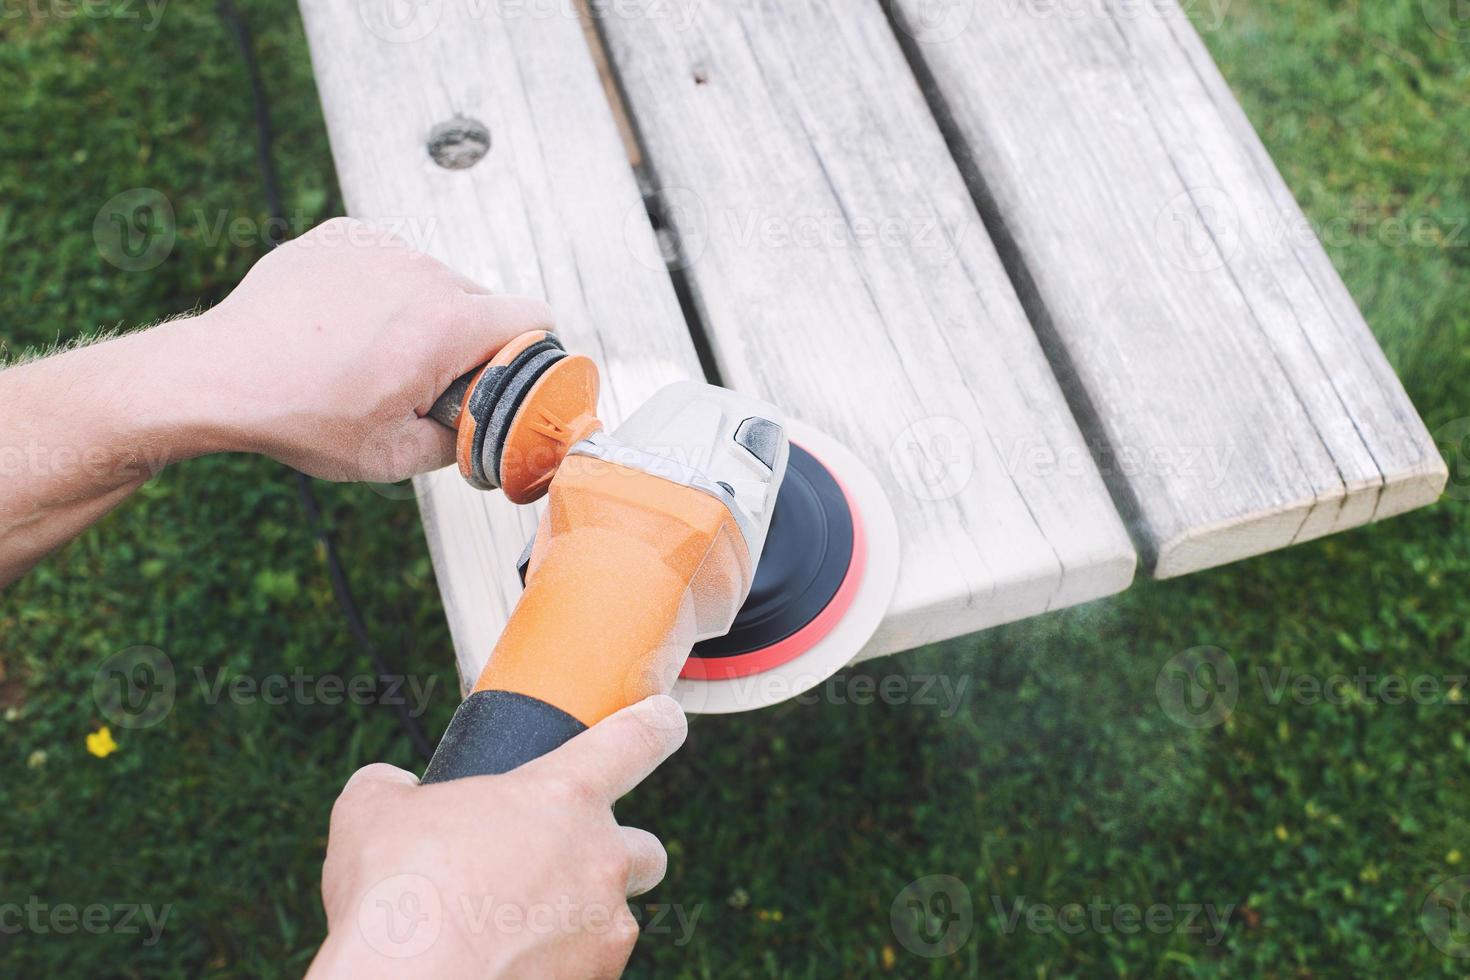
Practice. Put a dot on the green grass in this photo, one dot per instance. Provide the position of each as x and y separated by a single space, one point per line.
1321 826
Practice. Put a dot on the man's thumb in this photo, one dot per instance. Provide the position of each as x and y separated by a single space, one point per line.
380 774
620 751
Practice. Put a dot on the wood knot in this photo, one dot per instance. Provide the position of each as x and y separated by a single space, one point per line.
459 143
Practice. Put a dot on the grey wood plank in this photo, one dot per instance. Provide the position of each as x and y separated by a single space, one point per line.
1214 356
840 269
552 210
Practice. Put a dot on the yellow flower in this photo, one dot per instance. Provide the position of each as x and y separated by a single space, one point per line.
1280 832
1453 857
889 957
100 743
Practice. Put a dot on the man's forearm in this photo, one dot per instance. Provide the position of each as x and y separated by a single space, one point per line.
84 429
327 357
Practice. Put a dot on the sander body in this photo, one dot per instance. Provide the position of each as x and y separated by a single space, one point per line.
647 551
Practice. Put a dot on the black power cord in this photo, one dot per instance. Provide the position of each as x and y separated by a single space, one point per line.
264 138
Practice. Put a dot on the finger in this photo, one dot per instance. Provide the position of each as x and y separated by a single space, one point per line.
380 774
620 751
648 862
404 448
434 446
357 798
482 324
469 285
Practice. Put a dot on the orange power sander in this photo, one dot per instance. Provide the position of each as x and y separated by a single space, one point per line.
650 546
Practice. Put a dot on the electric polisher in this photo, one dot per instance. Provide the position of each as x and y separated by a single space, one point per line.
666 559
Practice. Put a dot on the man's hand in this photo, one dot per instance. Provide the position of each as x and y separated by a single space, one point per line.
327 357
335 346
525 874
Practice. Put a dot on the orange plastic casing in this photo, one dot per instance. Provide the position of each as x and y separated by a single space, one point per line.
559 411
628 571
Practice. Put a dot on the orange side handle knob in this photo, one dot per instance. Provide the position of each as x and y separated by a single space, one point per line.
516 416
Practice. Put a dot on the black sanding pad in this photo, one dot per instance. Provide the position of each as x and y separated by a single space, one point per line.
806 557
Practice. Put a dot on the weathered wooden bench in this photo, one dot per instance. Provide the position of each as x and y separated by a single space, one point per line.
1028 260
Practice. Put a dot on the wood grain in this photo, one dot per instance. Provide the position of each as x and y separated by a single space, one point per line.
840 269
1237 398
894 328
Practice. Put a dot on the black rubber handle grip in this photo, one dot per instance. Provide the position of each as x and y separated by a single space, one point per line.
497 731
